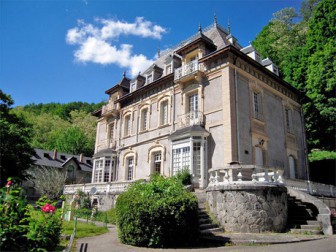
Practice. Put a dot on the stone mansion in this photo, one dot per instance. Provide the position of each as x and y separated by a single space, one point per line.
204 103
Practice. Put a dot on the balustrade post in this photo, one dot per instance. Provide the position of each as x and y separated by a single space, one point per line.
254 175
239 176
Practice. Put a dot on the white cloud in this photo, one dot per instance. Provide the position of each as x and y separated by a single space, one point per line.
97 44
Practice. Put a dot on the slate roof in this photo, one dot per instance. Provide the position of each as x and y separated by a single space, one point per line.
45 158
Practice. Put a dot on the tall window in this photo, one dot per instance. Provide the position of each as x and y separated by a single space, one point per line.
113 171
111 132
157 162
98 170
257 106
144 119
130 168
107 170
289 121
127 125
193 105
181 159
197 158
164 113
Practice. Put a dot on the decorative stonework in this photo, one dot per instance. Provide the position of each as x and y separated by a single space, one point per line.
249 209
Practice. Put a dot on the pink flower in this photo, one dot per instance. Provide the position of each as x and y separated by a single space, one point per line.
48 208
9 183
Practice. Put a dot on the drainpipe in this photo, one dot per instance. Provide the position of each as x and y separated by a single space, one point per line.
237 111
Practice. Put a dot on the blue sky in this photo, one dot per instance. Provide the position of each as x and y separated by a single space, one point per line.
74 50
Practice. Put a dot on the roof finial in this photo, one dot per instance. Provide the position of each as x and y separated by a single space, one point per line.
159 52
215 19
124 74
229 27
200 28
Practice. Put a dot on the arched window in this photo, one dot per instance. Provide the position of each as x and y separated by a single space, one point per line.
292 168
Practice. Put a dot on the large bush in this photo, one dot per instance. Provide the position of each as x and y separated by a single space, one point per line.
160 213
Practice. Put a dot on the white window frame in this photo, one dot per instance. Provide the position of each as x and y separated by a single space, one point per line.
150 78
164 106
133 86
130 168
127 125
144 120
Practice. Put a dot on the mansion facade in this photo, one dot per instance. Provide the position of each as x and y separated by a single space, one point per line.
203 104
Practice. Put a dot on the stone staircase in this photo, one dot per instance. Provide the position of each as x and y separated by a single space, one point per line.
302 217
206 225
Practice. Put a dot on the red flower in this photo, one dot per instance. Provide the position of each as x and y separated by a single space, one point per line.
48 208
9 183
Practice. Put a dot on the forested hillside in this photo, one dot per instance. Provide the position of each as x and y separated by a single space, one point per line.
303 44
69 128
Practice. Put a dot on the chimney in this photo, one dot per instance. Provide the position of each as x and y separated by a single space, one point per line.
81 158
55 154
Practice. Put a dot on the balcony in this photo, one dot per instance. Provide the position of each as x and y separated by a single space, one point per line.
191 119
189 71
110 109
99 188
106 144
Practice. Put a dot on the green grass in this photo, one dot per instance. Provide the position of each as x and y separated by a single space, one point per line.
83 229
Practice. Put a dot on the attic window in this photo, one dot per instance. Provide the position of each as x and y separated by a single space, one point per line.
149 78
63 157
46 155
168 69
133 86
88 161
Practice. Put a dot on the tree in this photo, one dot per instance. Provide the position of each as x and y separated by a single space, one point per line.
15 135
48 181
308 62
73 141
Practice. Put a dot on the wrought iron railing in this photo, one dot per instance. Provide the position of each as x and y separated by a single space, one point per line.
186 69
191 118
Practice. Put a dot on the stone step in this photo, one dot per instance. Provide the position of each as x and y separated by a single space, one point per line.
207 226
204 221
212 230
313 222
311 227
306 231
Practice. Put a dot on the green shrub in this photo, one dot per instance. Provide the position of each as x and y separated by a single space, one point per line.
160 213
184 176
44 230
13 221
22 228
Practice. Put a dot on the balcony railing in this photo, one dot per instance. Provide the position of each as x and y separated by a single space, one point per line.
245 174
99 188
187 69
312 188
190 119
106 144
109 108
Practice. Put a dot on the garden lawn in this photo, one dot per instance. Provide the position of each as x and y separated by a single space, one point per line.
83 229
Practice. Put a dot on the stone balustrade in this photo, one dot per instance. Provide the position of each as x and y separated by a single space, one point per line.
245 174
100 188
312 188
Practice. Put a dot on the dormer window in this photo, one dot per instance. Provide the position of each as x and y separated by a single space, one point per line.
149 78
168 69
133 86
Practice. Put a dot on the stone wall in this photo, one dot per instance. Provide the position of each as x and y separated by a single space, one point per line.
249 209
